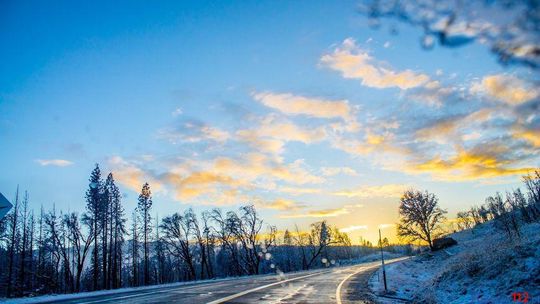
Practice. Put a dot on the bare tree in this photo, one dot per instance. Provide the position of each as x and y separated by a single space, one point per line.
203 245
58 233
24 245
135 249
420 217
301 240
532 183
160 256
176 233
226 236
464 220
246 230
79 241
13 230
319 238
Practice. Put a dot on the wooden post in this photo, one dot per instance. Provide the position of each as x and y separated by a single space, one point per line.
382 260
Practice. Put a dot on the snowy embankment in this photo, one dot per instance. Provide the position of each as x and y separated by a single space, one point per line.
485 267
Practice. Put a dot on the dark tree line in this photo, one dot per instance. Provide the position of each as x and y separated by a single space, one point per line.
67 252
509 211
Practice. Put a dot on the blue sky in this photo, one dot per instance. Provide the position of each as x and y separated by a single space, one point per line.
297 107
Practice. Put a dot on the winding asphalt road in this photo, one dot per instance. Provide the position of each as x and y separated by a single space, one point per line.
341 285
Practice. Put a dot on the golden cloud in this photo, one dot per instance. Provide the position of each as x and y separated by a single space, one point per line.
299 105
470 165
283 204
355 63
506 88
298 190
531 135
445 129
132 176
318 213
390 190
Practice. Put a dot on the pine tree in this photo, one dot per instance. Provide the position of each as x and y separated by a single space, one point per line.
144 206
118 230
105 221
93 207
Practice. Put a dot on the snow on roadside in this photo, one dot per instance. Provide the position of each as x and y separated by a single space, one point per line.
485 267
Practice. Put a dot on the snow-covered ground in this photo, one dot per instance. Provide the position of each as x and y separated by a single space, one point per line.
485 267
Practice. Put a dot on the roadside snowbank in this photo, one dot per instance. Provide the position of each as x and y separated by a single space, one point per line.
485 267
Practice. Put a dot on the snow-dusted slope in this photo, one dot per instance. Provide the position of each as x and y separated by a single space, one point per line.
485 267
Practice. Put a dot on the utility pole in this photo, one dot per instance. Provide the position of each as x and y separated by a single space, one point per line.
382 260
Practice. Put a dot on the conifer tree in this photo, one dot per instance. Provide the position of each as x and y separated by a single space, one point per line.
93 207
144 207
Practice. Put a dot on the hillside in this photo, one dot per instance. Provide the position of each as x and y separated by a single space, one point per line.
485 267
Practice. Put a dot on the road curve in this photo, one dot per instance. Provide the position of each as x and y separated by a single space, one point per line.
339 285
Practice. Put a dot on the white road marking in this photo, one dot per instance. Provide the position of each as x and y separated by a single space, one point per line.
245 292
338 290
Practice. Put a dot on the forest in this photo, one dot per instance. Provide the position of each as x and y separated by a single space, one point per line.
52 251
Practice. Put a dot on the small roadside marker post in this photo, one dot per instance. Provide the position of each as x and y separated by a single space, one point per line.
382 260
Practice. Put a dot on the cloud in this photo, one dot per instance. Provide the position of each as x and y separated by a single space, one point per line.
177 112
54 162
506 88
283 204
331 171
332 212
132 176
385 226
484 161
265 145
445 129
201 183
529 134
353 228
272 133
390 190
382 143
222 180
433 93
318 213
355 63
254 166
298 190
193 131
299 105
